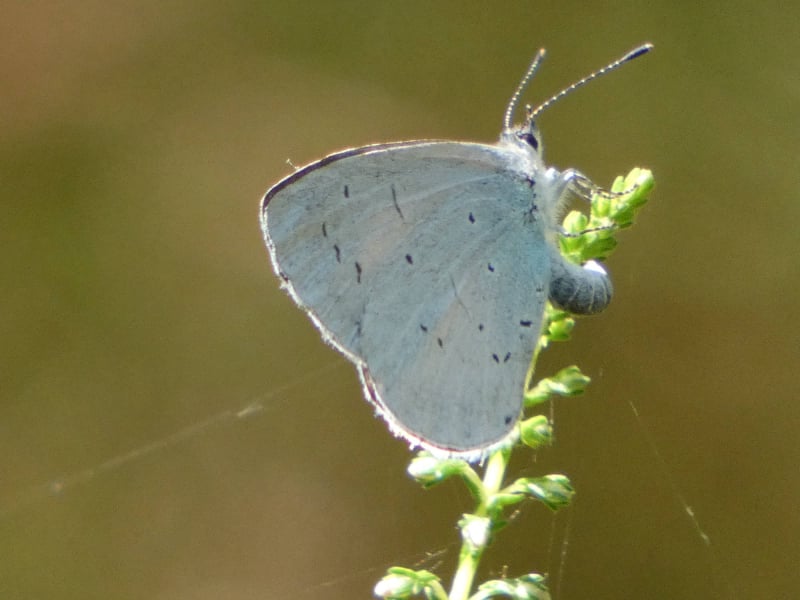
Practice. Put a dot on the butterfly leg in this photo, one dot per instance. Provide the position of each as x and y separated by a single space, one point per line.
585 188
581 186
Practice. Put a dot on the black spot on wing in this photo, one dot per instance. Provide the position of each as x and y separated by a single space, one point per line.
471 218
526 323
508 420
338 253
480 326
396 205
423 328
346 191
409 259
506 357
496 358
440 342
324 230
358 272
491 267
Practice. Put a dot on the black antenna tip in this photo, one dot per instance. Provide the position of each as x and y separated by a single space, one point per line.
637 52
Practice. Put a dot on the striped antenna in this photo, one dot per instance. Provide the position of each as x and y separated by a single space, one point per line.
635 53
512 104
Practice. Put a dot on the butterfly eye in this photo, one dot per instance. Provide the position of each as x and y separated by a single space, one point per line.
530 139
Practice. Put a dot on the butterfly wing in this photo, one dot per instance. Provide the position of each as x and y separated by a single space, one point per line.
426 265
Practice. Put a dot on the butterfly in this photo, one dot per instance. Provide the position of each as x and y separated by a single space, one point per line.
428 265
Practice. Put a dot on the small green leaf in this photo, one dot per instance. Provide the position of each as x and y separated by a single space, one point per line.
429 470
527 587
559 325
554 491
400 583
536 432
567 382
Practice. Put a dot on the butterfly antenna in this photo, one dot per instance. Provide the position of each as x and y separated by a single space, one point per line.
512 104
635 53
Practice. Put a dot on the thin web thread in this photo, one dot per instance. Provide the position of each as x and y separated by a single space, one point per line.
58 486
716 565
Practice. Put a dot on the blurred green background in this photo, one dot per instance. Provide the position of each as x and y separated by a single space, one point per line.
141 312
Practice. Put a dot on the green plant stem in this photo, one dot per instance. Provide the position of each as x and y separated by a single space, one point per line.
471 553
